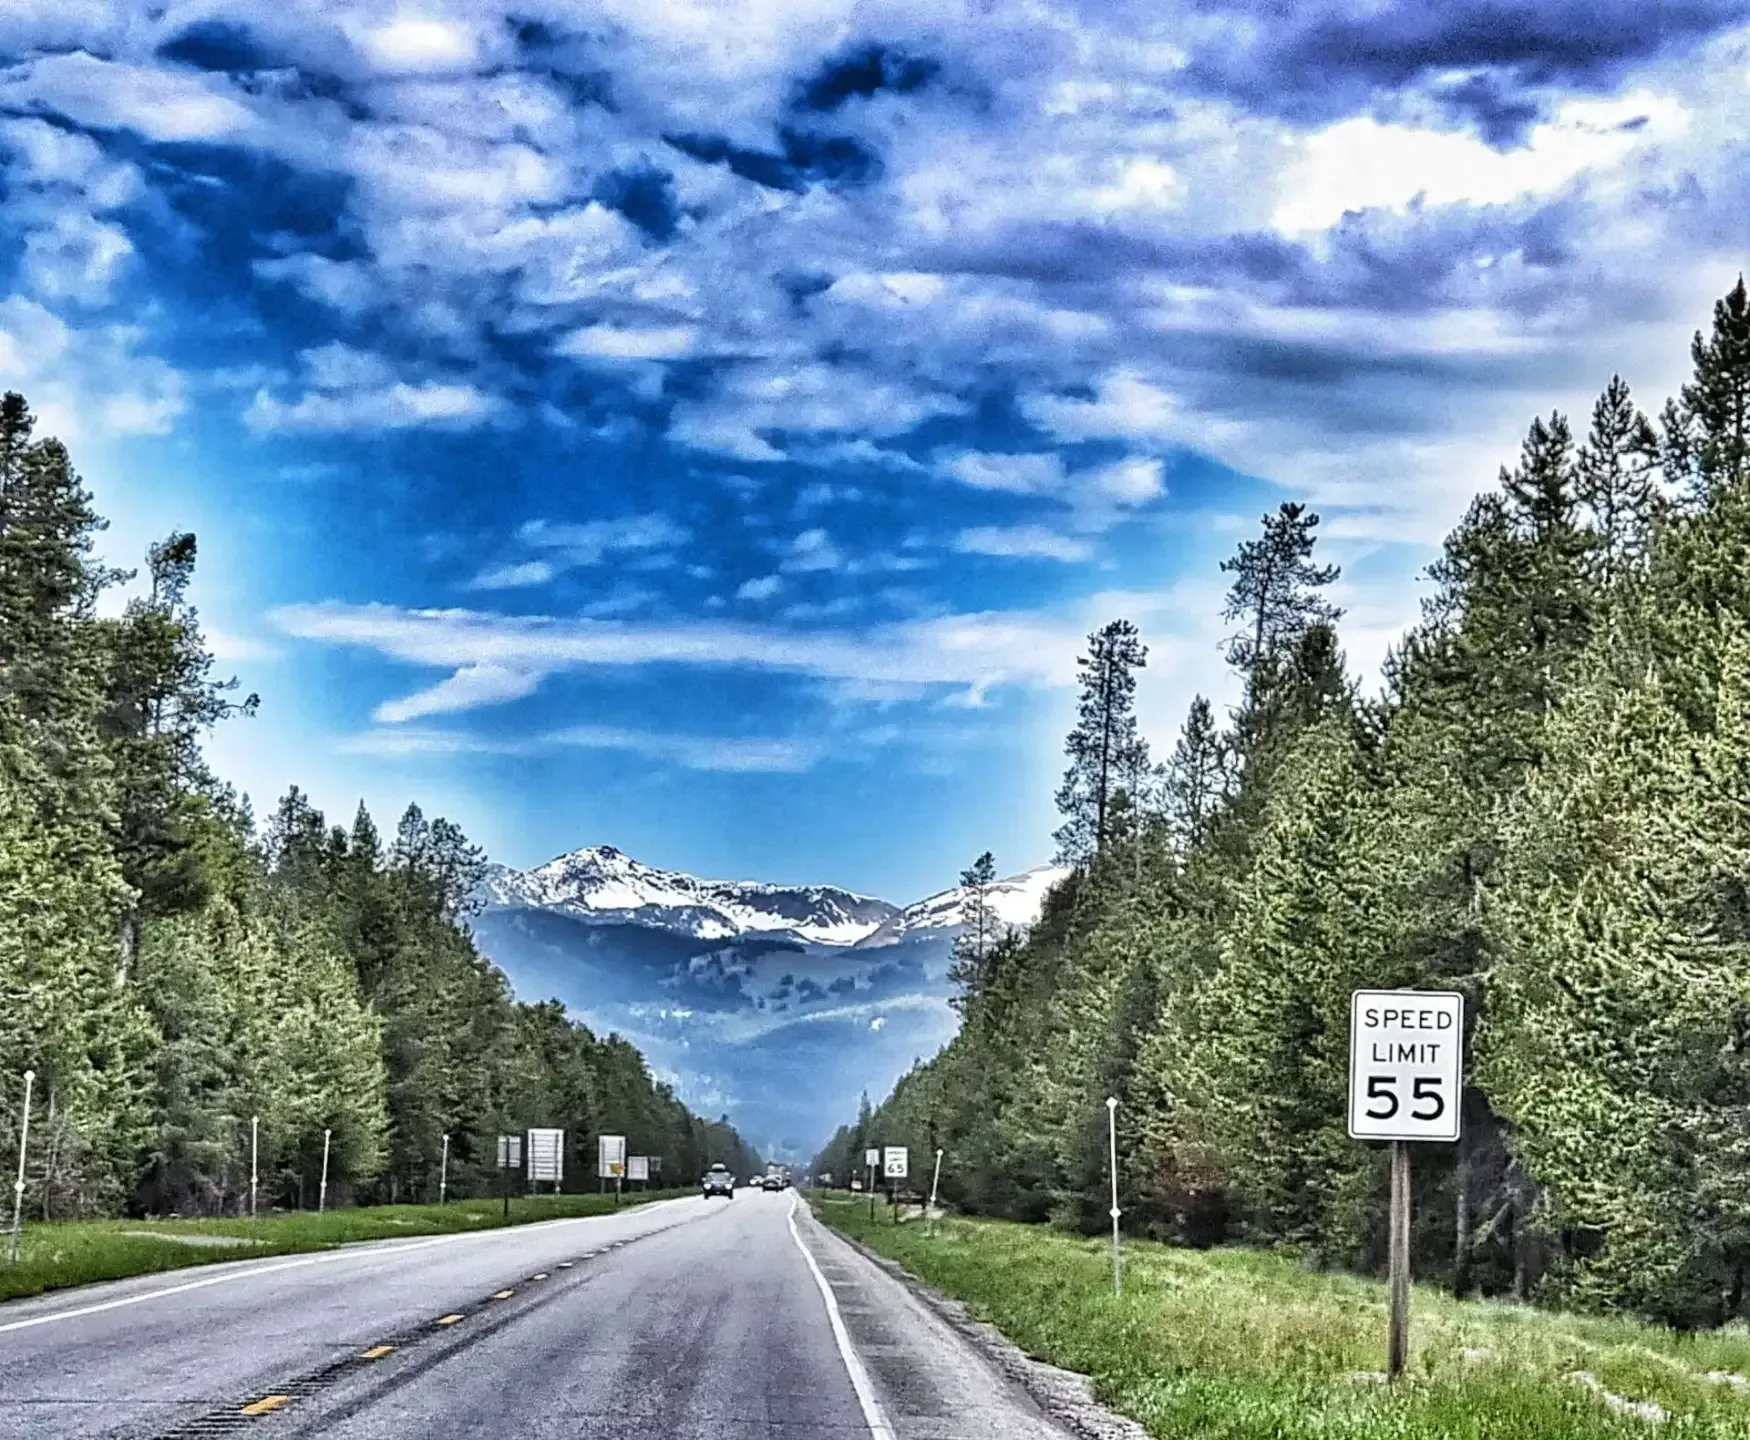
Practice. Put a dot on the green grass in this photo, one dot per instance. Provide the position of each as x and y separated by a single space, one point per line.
77 1252
1242 1345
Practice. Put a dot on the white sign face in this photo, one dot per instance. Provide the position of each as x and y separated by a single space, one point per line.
546 1152
893 1162
638 1168
610 1156
1405 1053
872 1157
510 1152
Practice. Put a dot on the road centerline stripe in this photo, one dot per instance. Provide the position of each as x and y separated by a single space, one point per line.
451 1319
873 1415
265 1404
376 1352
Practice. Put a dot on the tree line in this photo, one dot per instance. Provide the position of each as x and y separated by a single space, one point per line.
1545 808
172 971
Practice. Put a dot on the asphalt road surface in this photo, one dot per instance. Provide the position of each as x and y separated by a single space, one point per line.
688 1318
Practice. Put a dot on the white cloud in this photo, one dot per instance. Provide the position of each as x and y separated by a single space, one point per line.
469 688
587 543
1132 481
762 588
1125 406
616 342
732 754
399 406
412 43
1360 163
513 577
1021 541
813 550
1023 474
159 103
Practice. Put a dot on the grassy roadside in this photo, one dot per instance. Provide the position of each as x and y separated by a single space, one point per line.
1228 1344
77 1252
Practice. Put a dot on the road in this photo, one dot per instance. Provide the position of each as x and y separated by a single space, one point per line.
687 1318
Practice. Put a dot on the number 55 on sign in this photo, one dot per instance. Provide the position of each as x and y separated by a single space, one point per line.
1405 1049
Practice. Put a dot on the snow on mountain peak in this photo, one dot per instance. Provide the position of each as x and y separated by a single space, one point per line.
604 884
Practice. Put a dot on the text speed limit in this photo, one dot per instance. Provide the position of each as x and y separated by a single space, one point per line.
1405 1052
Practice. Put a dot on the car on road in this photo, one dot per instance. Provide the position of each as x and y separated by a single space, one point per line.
718 1181
773 1182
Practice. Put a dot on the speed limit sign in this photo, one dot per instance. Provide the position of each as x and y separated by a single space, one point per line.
1405 1051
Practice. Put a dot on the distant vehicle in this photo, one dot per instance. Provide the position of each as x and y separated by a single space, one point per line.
718 1181
773 1182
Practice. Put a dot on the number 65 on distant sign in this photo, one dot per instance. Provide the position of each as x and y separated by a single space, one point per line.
1406 1050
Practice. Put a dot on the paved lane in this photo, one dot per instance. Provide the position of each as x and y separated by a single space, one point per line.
137 1356
688 1319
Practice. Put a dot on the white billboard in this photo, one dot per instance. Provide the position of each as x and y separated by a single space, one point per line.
611 1156
1405 1053
638 1168
546 1155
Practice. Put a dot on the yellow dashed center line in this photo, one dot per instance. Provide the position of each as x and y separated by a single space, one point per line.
541 1276
564 1264
504 1294
450 1319
266 1403
376 1352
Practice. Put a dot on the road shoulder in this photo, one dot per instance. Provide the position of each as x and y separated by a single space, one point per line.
1059 1400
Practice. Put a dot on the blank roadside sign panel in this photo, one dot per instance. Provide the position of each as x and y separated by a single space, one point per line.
510 1152
872 1157
638 1168
1405 1054
893 1162
546 1154
611 1156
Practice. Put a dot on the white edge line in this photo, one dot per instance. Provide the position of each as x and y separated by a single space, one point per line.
872 1413
342 1252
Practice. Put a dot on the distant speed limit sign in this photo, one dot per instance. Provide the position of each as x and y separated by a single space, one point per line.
1405 1053
893 1162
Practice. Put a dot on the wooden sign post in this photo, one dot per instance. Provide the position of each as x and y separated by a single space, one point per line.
1406 1050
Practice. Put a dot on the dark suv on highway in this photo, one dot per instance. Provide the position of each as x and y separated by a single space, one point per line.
718 1181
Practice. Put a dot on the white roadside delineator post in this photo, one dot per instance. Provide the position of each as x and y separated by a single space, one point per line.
322 1192
18 1184
936 1183
444 1172
1112 1135
254 1155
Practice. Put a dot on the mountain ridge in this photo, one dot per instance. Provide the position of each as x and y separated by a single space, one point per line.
777 1003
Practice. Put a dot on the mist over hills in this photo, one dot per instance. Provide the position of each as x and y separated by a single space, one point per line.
776 1004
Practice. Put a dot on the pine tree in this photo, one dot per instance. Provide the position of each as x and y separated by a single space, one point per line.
1706 440
1106 751
979 930
1275 592
1196 780
1617 481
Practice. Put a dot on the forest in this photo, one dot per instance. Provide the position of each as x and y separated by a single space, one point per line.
176 975
1545 807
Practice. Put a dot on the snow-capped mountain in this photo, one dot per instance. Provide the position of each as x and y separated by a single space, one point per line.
776 1003
1016 903
602 884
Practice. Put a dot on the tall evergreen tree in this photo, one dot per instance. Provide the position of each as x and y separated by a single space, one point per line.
979 930
1105 749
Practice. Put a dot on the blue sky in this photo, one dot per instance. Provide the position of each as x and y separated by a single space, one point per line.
713 429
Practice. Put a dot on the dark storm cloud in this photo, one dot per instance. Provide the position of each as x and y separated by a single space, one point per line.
1316 62
865 72
645 195
217 45
806 158
1497 113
